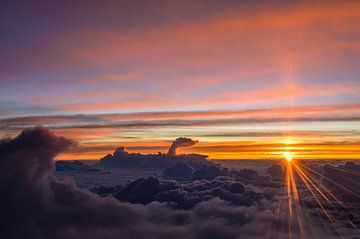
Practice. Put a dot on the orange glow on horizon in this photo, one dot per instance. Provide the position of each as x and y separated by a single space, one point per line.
222 150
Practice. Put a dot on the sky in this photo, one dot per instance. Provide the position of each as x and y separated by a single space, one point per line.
249 80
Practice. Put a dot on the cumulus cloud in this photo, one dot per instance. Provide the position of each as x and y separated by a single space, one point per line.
222 203
276 172
188 195
179 143
216 203
35 204
71 166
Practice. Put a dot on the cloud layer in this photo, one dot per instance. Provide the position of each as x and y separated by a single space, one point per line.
216 203
37 205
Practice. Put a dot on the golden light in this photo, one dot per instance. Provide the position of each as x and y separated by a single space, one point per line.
287 156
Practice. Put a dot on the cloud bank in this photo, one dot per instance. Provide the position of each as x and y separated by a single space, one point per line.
34 204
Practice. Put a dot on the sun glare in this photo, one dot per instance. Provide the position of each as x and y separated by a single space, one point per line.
287 156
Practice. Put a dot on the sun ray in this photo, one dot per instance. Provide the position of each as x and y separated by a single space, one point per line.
309 184
326 200
332 181
335 198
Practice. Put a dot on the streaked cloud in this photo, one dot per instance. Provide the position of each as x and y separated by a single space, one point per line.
222 72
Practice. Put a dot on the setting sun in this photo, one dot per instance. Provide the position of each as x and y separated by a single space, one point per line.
287 156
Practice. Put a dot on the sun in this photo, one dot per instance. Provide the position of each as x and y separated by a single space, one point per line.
288 156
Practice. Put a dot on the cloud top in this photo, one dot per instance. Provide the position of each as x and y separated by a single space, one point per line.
179 143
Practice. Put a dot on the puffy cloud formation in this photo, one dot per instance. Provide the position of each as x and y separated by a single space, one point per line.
122 158
181 171
187 195
34 204
179 143
71 166
276 172
211 172
231 205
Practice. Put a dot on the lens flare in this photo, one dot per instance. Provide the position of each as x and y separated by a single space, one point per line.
301 184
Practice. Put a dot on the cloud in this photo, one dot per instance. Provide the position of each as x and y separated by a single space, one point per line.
342 180
34 204
188 195
276 172
181 171
252 45
180 122
98 133
118 45
180 143
233 204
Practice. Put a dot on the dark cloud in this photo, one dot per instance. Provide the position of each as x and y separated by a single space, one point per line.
180 143
122 158
225 204
71 166
188 195
181 171
48 119
34 204
100 121
211 172
276 172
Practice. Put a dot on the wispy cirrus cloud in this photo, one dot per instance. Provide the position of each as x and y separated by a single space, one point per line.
221 72
223 133
232 55
296 113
